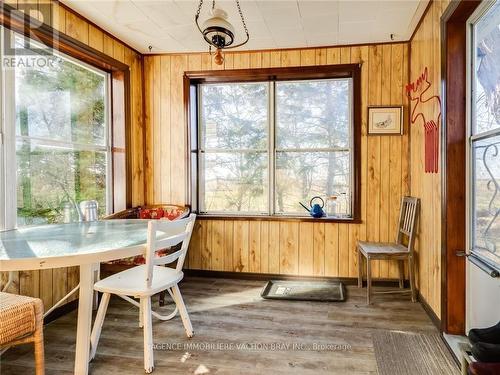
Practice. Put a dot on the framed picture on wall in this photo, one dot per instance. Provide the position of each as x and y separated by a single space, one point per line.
385 120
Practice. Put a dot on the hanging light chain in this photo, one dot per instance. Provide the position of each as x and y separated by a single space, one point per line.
199 9
241 15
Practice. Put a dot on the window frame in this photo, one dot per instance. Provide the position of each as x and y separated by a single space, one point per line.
474 136
192 79
118 100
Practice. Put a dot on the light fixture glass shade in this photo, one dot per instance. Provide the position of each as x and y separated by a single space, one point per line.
217 30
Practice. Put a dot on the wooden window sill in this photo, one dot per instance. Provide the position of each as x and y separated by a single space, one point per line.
308 219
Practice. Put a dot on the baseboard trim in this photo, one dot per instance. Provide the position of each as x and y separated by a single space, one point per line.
269 276
430 312
60 311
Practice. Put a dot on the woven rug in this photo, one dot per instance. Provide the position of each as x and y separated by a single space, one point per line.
405 353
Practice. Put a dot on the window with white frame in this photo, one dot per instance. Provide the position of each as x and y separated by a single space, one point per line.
484 134
56 137
266 146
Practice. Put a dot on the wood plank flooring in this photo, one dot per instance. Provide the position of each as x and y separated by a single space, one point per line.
236 332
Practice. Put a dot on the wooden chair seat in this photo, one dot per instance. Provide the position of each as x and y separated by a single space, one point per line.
21 322
386 249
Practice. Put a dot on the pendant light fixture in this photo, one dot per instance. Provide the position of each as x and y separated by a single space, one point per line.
218 31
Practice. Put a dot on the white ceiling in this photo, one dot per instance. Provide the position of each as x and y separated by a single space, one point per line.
168 25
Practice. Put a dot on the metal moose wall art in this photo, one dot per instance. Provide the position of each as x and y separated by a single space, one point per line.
423 104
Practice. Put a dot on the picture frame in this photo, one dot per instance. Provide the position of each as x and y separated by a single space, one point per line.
385 120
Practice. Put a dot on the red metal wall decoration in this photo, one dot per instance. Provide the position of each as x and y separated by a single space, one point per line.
416 92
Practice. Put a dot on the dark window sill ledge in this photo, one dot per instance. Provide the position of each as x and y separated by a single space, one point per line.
305 219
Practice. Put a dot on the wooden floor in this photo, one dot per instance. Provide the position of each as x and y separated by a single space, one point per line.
236 332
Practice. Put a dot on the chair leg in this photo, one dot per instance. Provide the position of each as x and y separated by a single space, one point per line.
141 316
148 334
38 343
161 300
99 320
182 311
368 280
411 269
360 269
401 265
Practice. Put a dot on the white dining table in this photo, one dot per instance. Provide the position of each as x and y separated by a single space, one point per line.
80 244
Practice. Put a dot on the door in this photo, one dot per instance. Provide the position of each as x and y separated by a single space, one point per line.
483 166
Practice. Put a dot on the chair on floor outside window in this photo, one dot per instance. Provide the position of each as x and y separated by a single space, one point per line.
400 250
145 280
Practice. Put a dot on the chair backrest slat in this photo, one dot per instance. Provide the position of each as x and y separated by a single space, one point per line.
165 234
408 217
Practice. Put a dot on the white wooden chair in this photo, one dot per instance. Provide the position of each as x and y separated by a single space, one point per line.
148 279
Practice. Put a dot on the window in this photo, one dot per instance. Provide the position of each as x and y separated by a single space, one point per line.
56 137
484 140
267 144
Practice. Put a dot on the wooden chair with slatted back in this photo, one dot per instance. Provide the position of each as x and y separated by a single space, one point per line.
400 250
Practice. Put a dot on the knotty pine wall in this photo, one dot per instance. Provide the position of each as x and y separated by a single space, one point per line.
284 247
426 52
51 285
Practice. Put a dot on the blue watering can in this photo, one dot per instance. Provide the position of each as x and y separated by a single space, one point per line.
315 210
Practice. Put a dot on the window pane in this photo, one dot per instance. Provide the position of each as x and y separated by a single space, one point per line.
303 175
313 114
487 74
49 178
234 116
61 101
235 182
486 203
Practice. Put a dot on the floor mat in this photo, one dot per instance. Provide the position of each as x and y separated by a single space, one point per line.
405 353
324 291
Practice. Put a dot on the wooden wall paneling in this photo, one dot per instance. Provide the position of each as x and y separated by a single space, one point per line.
396 98
178 136
194 252
321 56
345 55
307 57
344 250
77 28
96 38
59 283
29 283
332 249
289 249
217 245
241 60
149 131
229 61
274 247
240 246
275 59
319 249
206 246
157 152
306 249
373 198
46 288
290 58
165 126
228 245
332 56
385 151
264 247
256 60
254 247
108 45
138 128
